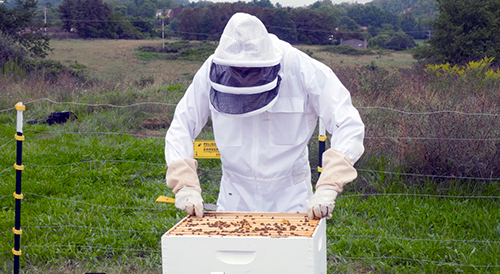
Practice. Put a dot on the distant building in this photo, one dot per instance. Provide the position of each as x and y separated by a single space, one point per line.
168 13
355 43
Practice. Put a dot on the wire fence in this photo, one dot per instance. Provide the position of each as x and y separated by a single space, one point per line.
29 228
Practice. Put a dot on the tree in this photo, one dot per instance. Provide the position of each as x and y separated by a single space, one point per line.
189 23
20 33
89 18
464 31
347 24
312 26
401 41
147 10
379 42
370 15
283 26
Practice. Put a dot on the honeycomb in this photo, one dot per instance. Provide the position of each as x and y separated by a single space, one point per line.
241 224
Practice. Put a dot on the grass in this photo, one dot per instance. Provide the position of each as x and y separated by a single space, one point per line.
115 59
90 185
388 59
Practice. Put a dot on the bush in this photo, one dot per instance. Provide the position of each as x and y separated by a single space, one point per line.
379 41
429 123
184 50
397 41
11 50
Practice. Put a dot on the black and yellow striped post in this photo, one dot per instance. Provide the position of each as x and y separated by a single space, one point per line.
322 142
18 195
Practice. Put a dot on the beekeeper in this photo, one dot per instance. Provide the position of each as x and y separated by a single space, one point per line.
264 98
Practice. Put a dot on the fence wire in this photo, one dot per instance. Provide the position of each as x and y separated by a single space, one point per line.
98 228
97 205
27 228
413 239
313 169
7 143
170 104
431 112
159 209
438 263
419 260
161 137
92 247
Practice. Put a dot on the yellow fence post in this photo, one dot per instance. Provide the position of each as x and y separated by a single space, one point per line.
18 195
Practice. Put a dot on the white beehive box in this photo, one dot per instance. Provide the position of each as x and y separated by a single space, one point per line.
245 242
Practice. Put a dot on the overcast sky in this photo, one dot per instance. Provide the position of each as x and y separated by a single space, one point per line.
298 3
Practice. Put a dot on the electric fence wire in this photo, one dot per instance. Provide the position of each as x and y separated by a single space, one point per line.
438 263
94 162
416 195
28 227
413 239
220 172
162 137
91 247
5 232
429 175
359 108
431 112
340 197
7 143
9 168
96 205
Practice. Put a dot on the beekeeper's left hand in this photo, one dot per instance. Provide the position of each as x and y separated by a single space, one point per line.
322 203
338 170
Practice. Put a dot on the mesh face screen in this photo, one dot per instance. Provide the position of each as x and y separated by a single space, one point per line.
243 76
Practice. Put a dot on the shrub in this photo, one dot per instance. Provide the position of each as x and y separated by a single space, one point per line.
427 124
379 41
185 50
11 50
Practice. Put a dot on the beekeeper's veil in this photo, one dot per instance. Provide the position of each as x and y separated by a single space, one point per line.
244 72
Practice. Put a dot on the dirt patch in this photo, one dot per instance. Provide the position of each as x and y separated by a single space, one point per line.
156 122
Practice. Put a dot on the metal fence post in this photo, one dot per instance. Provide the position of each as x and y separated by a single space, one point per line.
18 195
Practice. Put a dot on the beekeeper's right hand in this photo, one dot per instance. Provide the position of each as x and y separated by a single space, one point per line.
189 200
183 179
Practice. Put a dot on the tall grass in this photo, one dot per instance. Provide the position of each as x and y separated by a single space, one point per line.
90 185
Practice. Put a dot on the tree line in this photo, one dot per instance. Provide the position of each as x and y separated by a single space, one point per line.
319 24
463 30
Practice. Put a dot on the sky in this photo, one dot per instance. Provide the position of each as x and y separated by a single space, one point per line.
300 3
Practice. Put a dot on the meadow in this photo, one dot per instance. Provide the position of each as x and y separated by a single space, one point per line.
426 200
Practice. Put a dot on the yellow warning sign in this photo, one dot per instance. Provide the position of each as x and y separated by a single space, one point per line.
205 149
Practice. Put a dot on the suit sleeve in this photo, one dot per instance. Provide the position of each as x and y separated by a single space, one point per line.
191 115
332 103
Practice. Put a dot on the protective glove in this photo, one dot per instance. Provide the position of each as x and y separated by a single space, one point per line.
183 179
189 200
322 203
338 170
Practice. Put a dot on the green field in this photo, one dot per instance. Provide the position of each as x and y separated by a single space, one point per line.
89 185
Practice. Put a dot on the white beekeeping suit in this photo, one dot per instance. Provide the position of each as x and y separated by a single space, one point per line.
264 98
